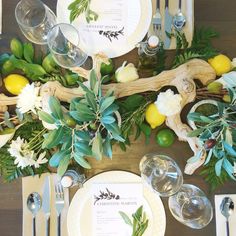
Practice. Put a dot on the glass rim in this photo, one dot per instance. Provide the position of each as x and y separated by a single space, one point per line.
32 27
51 30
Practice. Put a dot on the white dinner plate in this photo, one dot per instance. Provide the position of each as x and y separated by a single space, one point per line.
138 20
79 216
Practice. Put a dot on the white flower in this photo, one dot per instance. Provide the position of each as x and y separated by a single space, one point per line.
40 160
23 156
233 63
169 103
126 73
29 99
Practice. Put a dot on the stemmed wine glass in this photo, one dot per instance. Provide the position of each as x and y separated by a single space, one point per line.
63 42
35 20
161 173
187 203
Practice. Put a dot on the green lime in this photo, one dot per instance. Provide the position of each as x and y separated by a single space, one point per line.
107 69
165 137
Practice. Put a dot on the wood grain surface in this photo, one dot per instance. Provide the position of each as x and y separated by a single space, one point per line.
216 13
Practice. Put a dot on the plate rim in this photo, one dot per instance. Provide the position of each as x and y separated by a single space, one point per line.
115 172
130 44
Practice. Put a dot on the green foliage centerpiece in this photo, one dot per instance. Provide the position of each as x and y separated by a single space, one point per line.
86 130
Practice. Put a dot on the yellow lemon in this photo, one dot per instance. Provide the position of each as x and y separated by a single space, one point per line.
153 117
15 83
221 64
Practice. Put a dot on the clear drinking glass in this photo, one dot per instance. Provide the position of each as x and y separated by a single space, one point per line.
63 42
161 173
191 207
35 19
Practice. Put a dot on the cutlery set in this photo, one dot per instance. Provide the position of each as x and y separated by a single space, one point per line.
35 202
178 21
227 208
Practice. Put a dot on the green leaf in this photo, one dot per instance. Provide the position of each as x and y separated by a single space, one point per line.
55 108
81 161
221 108
57 157
46 117
91 101
206 119
126 218
194 116
195 132
64 163
82 117
133 102
229 168
110 110
97 147
208 157
106 103
107 150
84 135
218 166
92 79
53 138
115 131
83 149
28 52
108 119
229 149
83 109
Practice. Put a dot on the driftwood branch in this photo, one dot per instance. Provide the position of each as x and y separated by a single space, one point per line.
182 78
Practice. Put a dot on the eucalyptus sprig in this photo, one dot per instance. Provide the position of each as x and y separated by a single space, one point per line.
217 132
139 221
86 130
78 7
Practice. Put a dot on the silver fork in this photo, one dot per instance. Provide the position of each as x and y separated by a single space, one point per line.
156 20
60 202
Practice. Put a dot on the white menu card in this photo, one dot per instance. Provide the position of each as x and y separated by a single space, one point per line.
109 29
108 200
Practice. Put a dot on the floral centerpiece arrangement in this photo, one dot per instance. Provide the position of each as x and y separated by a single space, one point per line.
45 132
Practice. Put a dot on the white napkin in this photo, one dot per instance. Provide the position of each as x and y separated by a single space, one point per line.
220 219
35 184
0 16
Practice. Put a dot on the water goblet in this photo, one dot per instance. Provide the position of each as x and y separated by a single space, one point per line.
35 20
63 42
161 173
191 207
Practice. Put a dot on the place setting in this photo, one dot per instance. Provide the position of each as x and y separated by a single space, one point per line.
96 133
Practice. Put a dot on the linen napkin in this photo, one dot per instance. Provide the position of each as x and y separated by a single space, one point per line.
220 219
36 184
188 11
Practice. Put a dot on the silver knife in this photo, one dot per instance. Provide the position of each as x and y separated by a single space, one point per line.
168 25
46 203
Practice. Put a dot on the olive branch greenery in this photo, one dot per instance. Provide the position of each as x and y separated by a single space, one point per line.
90 132
217 132
78 7
139 221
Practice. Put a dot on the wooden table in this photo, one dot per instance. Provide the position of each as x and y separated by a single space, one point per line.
214 13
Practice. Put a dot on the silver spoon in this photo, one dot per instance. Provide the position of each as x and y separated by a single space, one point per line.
227 208
34 203
179 19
